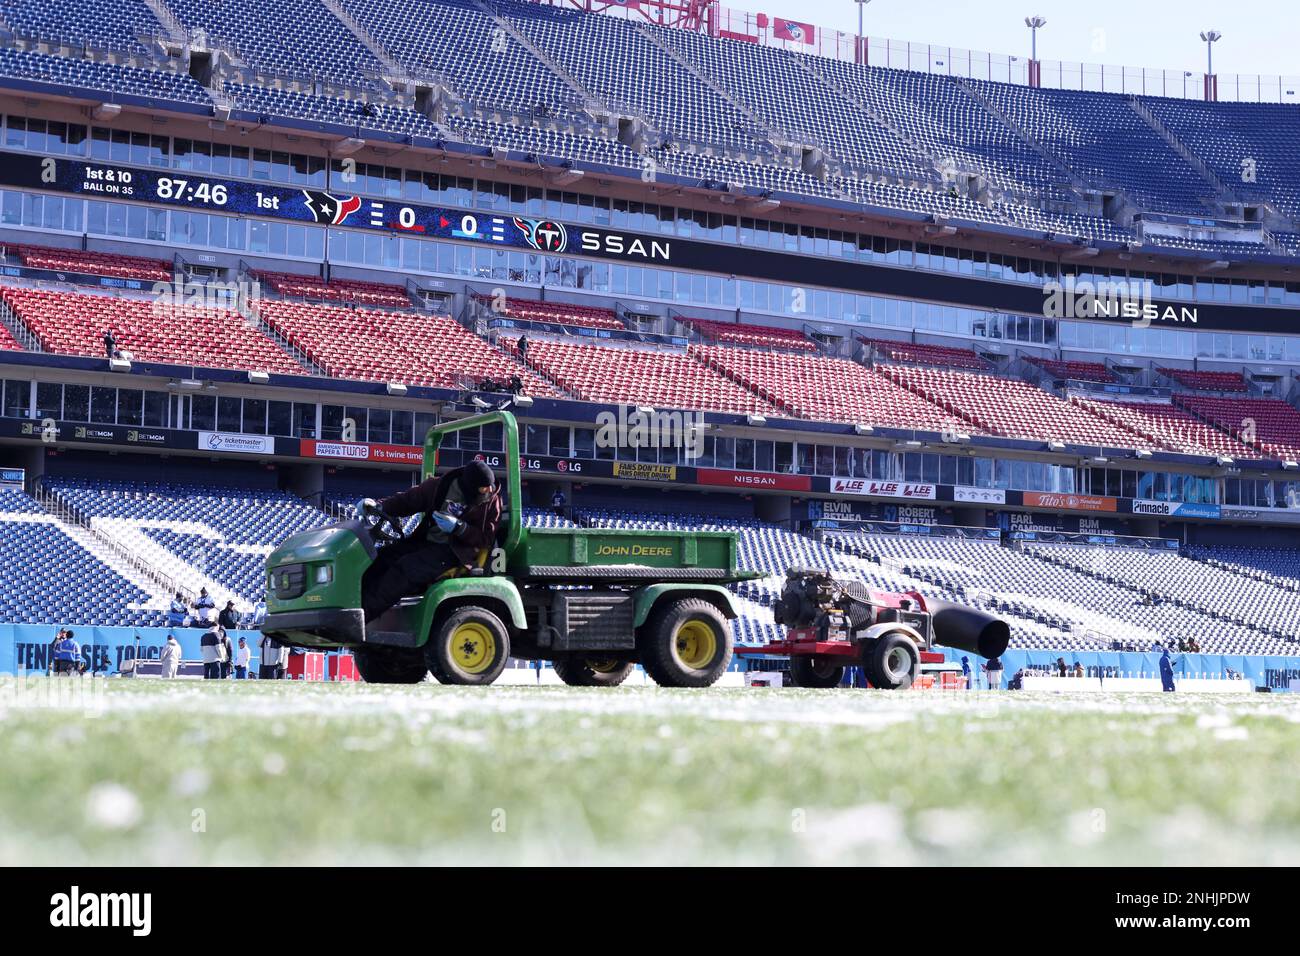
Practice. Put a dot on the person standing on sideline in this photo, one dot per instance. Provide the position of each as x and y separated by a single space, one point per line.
170 658
993 671
274 656
242 658
1166 672
227 653
67 653
965 671
212 643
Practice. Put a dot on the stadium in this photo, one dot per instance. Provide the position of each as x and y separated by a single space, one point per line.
983 331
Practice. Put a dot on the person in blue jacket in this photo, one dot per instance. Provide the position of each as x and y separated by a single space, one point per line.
1166 671
67 654
965 670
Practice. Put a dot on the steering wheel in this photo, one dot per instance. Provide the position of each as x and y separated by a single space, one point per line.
383 527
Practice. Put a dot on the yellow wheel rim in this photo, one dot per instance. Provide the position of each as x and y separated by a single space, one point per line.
697 645
473 648
603 665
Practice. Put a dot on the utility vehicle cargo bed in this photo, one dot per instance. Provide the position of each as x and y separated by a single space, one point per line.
611 555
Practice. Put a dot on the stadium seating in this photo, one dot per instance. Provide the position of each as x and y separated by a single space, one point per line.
1273 423
371 114
96 263
1012 408
393 346
1206 381
1084 371
299 37
1083 596
7 342
916 353
1227 598
74 324
561 313
82 22
826 389
210 536
1225 135
336 290
163 87
1274 565
660 379
1081 130
1168 426
49 578
762 336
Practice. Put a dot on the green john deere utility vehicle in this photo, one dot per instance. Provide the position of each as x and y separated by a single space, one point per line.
593 601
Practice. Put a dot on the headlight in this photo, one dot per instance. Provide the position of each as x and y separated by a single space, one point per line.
325 574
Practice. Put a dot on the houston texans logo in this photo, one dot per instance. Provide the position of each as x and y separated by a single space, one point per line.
330 210
544 235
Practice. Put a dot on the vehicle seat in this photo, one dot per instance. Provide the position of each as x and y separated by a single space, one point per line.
479 568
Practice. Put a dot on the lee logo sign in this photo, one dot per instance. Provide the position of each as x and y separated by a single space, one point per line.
882 489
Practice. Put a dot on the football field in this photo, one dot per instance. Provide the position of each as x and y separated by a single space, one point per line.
185 772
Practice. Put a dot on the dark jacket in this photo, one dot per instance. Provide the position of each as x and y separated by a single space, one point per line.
478 522
229 619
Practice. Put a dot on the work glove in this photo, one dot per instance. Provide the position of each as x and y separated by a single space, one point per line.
446 523
359 509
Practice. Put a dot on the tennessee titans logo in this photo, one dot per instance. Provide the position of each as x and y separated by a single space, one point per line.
544 235
330 210
794 31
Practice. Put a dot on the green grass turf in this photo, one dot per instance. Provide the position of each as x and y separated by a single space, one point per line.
145 772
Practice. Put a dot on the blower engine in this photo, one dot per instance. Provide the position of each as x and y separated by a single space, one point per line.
884 631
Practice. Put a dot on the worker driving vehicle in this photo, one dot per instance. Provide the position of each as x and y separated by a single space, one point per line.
461 513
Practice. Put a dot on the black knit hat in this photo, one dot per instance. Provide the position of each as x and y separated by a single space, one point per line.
474 476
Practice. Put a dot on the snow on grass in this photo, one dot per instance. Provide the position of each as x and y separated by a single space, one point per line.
250 772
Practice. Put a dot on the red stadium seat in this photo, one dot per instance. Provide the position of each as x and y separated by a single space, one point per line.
659 379
96 263
391 346
730 333
941 355
826 389
71 323
336 290
560 313
1206 381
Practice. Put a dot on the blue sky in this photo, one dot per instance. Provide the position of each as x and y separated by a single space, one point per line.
1260 36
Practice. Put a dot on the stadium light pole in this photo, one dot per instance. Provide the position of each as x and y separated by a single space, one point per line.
1211 84
1034 23
858 53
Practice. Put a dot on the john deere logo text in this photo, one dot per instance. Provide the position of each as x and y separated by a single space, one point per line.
634 550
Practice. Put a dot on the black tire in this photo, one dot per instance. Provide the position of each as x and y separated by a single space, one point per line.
685 643
591 670
893 662
468 646
810 672
386 665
